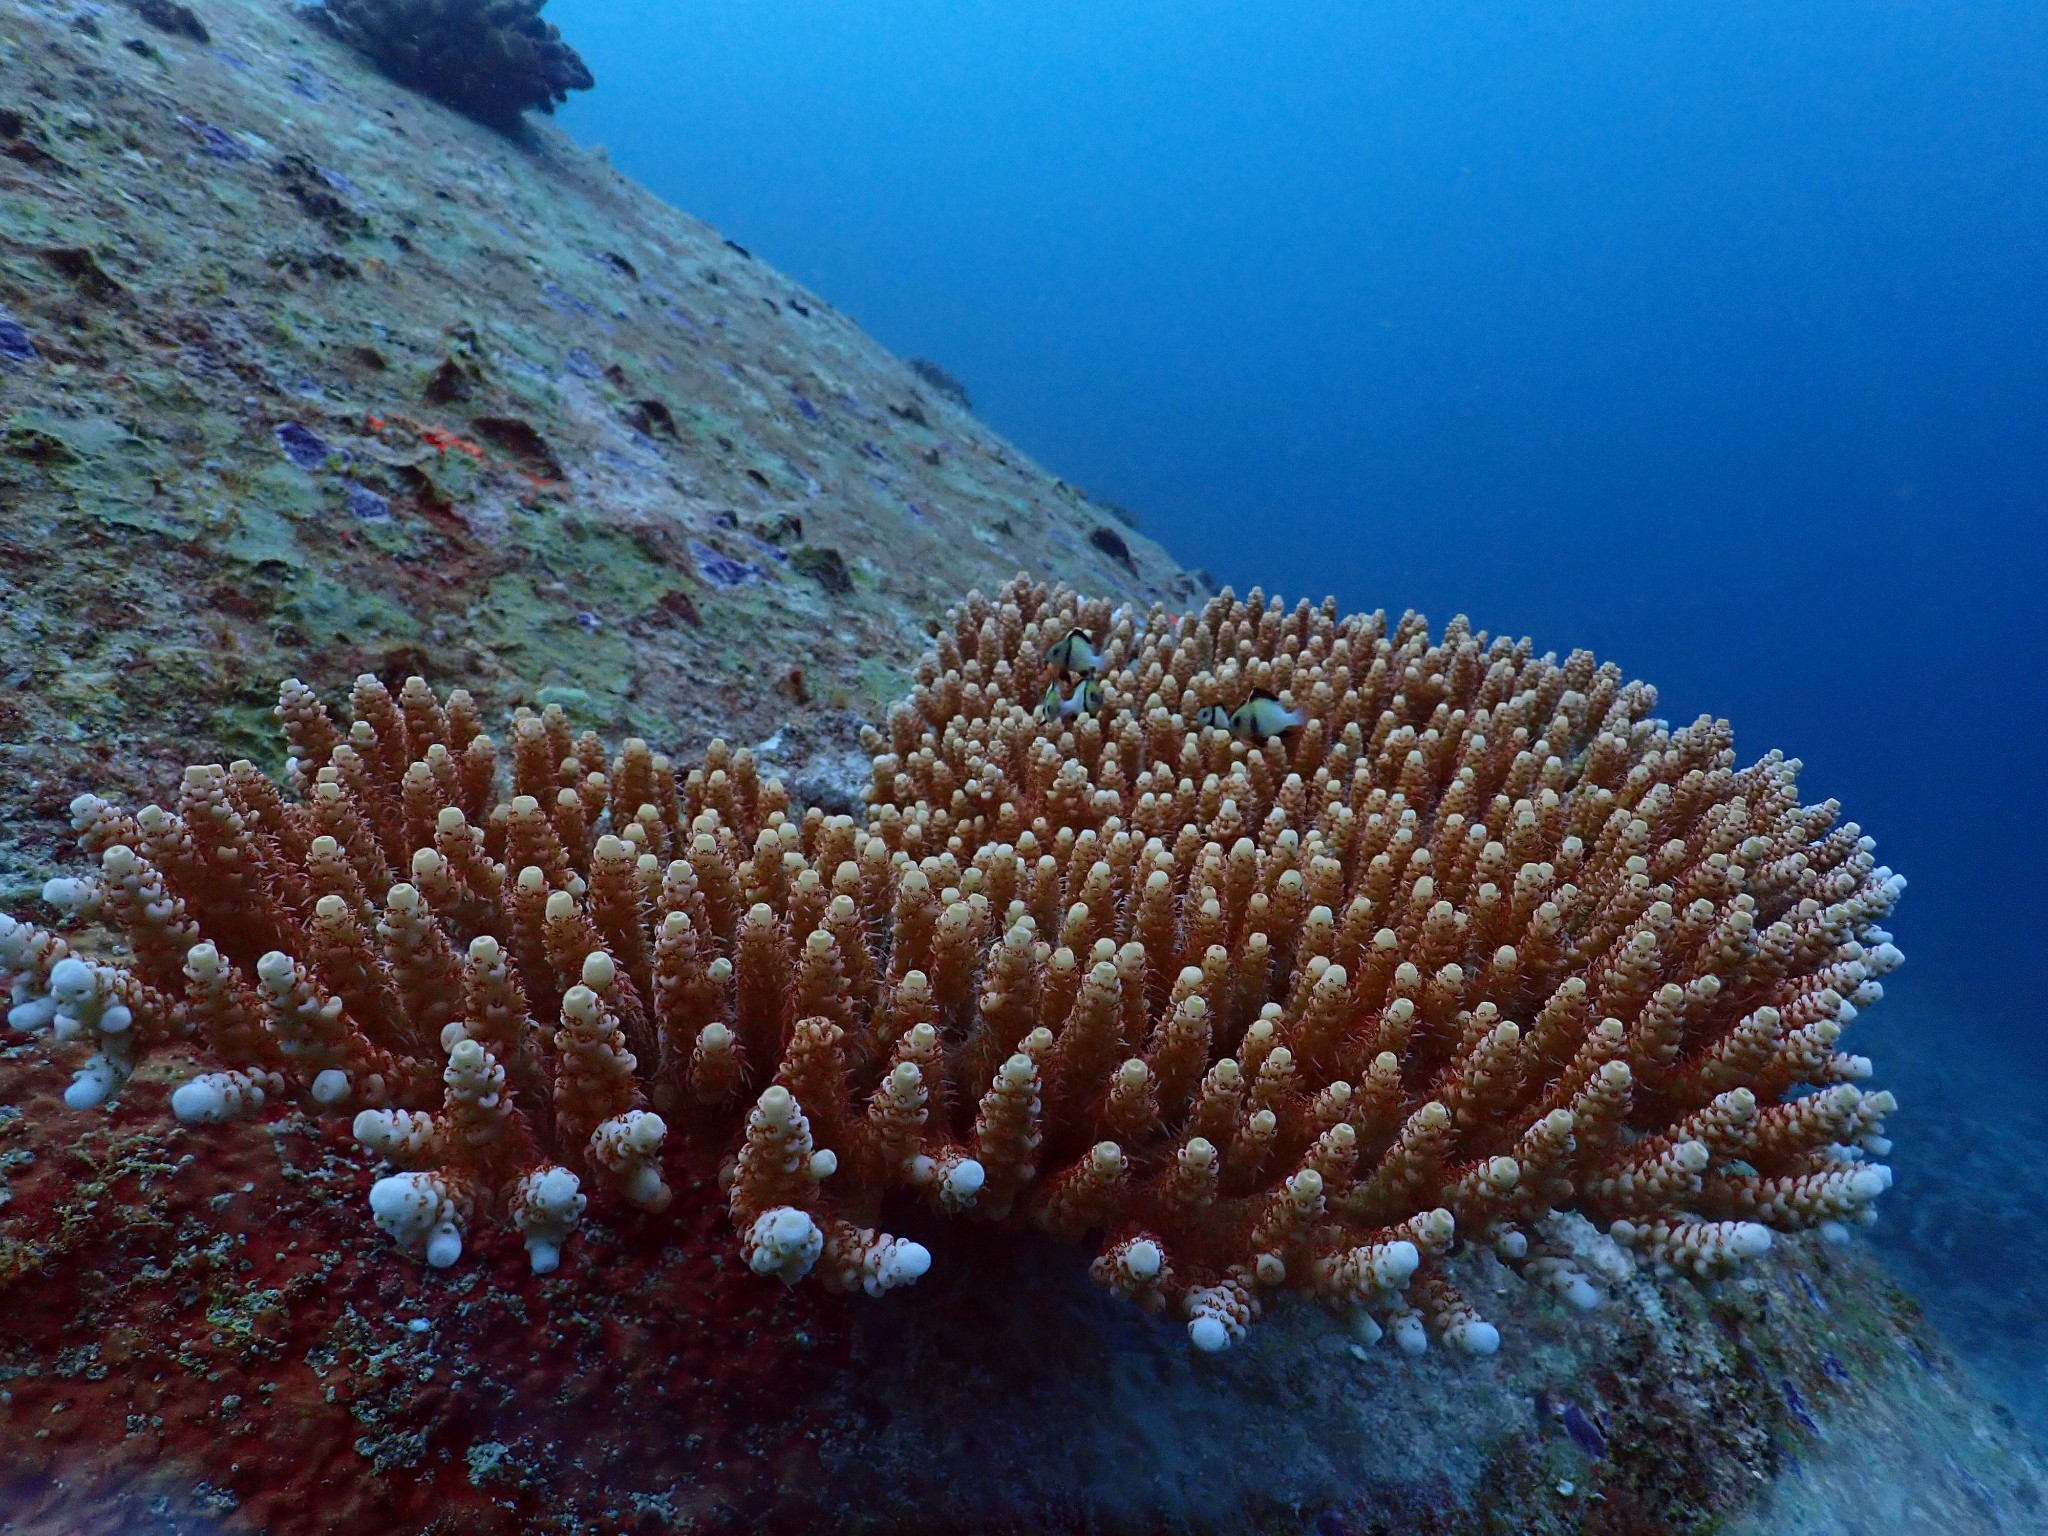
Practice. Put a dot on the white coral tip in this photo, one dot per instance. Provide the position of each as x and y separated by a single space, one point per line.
1474 1338
642 1186
1400 1261
33 1016
901 1262
71 981
963 1180
445 1246
1142 1260
94 1084
1208 1334
200 1101
1750 1240
330 1087
68 894
546 1207
785 1243
400 1200
1410 1337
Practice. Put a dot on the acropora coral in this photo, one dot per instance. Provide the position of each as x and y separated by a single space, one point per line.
491 59
1476 940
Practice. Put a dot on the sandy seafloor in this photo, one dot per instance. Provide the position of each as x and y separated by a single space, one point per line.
1965 1227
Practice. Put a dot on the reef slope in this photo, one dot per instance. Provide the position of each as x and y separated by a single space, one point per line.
301 373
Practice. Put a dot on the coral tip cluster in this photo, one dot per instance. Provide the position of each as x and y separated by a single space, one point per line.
1474 940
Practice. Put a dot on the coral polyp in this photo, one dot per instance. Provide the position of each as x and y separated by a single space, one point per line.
1474 940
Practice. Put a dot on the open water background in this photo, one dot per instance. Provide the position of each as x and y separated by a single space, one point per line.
1713 338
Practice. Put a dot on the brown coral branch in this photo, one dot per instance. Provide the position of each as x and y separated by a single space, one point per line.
1475 937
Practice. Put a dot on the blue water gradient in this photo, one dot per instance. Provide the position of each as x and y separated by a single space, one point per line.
1714 338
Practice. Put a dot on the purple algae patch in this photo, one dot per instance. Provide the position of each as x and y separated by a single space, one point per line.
804 408
302 446
367 504
582 364
217 142
1797 1405
555 296
1586 1434
722 570
15 345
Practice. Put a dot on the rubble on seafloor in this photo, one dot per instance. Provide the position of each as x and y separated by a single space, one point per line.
301 373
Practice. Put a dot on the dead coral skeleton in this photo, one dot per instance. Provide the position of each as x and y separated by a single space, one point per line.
1475 941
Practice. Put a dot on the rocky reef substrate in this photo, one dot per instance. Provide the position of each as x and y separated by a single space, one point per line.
202 1333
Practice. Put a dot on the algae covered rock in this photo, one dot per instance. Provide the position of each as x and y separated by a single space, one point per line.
492 59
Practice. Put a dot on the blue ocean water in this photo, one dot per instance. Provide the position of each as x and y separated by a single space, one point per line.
1712 338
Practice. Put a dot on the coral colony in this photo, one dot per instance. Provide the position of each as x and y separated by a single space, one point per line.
1475 940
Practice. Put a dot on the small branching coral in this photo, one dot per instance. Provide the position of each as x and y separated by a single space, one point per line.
1475 940
492 59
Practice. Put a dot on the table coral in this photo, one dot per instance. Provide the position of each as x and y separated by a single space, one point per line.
1475 940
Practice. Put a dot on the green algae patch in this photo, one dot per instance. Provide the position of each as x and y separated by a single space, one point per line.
880 683
398 537
333 613
240 1316
575 702
588 670
259 537
46 434
444 478
599 569
248 730
285 490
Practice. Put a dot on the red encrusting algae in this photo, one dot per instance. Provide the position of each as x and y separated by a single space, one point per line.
205 1308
